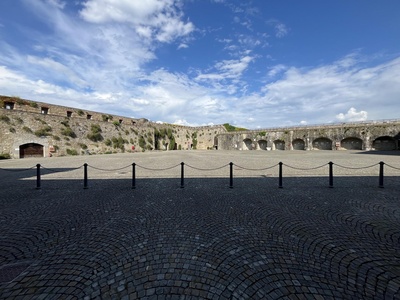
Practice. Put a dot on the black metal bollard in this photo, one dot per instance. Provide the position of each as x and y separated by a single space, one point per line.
85 176
381 164
182 175
38 177
280 175
231 175
133 176
330 174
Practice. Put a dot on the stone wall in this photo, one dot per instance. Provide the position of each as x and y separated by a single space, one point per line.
383 135
71 131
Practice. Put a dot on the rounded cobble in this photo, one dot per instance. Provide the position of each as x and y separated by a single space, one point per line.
203 241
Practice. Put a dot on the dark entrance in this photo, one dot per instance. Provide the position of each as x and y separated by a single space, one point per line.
31 150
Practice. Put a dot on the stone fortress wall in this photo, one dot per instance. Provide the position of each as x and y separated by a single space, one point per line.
30 128
371 135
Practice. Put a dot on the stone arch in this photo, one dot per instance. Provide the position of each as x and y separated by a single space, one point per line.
248 144
384 143
322 144
31 150
298 144
279 145
351 143
263 144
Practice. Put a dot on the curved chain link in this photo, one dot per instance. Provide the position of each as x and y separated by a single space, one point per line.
200 169
109 170
56 171
150 169
18 170
356 168
392 167
304 169
249 169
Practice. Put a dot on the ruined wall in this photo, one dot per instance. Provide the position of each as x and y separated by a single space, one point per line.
357 136
70 131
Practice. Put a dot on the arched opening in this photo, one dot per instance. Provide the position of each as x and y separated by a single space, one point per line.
384 143
279 145
248 144
298 144
322 144
263 144
31 150
351 143
215 143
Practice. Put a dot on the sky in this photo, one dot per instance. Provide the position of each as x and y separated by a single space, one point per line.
251 63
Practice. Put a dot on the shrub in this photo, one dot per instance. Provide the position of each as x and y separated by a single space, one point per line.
44 131
142 142
117 124
80 112
95 133
34 104
56 137
67 131
19 120
72 152
83 146
108 142
27 129
5 119
12 130
5 156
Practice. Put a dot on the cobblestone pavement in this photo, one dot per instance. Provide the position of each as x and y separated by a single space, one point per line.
206 240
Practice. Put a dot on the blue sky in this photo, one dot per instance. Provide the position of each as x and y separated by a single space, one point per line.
254 64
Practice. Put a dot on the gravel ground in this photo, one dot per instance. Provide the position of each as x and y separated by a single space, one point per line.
206 240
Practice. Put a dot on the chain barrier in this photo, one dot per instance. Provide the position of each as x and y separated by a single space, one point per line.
305 169
109 170
85 166
392 167
59 171
18 170
164 169
200 169
356 168
249 169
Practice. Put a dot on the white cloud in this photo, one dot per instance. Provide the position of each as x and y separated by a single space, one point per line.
352 115
156 19
281 30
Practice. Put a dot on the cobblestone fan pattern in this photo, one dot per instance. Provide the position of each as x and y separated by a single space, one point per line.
203 241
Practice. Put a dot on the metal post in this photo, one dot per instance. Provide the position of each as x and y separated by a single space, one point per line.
182 175
280 174
38 177
85 176
381 164
330 174
231 175
133 176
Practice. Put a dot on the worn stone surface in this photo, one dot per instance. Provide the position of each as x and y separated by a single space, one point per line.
206 240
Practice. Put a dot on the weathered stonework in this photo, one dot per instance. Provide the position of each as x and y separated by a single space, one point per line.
383 135
58 131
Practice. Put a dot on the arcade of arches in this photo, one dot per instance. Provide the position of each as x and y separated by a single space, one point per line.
382 143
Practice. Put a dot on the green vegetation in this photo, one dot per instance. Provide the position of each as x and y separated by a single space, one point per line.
142 142
44 131
27 129
19 120
262 133
67 131
230 128
80 113
5 119
5 156
108 142
41 121
83 146
194 140
117 124
72 152
119 143
56 137
95 133
34 104
12 130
